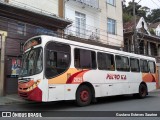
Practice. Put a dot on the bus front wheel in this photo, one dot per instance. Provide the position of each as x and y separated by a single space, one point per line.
83 96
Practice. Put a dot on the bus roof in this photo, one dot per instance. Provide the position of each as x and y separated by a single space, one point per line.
89 45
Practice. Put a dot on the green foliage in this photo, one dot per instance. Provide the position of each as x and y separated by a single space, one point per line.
127 17
128 11
152 32
154 16
140 11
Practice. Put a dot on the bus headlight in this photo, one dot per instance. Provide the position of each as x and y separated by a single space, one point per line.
33 86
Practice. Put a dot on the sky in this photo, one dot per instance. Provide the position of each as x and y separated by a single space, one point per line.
152 4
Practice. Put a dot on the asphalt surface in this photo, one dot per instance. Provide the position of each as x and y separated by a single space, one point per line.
103 105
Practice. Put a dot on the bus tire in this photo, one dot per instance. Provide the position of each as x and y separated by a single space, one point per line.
83 96
142 91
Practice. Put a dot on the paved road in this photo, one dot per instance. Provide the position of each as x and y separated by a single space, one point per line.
116 103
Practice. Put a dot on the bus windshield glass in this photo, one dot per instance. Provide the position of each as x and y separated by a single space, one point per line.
32 62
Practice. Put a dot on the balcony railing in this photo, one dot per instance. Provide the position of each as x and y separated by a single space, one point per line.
89 32
92 3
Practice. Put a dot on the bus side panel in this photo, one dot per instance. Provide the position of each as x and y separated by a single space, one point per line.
134 80
96 78
55 92
150 80
151 86
43 85
108 86
70 91
134 87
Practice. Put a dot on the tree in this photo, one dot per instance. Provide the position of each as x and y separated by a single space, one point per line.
139 10
142 12
127 17
153 17
152 31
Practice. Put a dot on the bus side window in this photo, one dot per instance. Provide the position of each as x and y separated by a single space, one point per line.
84 59
122 63
105 61
152 67
144 66
134 63
77 58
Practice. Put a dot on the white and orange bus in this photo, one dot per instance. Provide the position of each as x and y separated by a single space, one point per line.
55 69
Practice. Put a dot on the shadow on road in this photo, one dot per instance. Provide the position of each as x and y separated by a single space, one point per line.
62 105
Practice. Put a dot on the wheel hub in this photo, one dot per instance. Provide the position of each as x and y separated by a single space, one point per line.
84 95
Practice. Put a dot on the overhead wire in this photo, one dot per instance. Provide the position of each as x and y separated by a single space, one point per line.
155 4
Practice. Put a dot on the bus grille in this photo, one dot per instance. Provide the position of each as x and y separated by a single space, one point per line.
24 95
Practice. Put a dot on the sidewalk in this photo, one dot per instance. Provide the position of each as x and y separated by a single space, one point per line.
12 99
15 99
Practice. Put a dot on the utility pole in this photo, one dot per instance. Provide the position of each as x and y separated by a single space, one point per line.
3 35
135 41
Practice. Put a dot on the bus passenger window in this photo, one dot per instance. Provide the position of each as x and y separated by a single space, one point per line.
122 63
134 65
84 59
57 59
152 67
144 66
77 58
105 61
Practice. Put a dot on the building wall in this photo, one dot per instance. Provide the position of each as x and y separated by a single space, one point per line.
91 14
157 30
140 25
13 48
42 6
113 12
96 21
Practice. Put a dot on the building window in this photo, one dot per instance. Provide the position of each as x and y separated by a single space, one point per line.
112 2
80 24
105 61
21 28
111 24
44 31
122 63
85 59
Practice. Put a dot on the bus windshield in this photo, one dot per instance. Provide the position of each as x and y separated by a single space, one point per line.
32 62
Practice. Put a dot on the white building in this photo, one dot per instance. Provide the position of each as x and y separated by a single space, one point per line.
85 16
114 22
42 6
99 20
156 28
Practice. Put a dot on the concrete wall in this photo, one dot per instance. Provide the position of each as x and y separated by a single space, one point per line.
157 30
113 12
44 6
92 17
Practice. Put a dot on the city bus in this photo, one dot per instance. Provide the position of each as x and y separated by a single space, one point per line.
56 69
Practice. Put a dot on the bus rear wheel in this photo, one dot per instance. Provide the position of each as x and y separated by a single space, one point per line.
142 91
83 96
